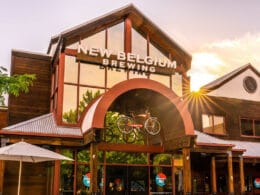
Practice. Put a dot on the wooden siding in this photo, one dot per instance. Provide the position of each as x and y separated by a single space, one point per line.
34 178
3 118
232 109
37 101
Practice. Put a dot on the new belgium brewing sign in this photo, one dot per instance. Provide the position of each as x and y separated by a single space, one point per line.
126 61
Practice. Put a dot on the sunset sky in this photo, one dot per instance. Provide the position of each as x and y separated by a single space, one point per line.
220 35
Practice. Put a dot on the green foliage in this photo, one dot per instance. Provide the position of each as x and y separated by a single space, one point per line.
71 116
15 84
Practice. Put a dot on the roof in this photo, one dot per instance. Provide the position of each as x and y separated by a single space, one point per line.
252 149
139 21
222 80
42 126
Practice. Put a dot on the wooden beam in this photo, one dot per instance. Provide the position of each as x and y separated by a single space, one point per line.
186 171
48 141
213 176
93 167
60 88
130 148
241 174
173 176
56 179
128 35
230 174
2 172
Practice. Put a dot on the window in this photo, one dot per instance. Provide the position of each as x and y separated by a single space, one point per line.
213 124
250 127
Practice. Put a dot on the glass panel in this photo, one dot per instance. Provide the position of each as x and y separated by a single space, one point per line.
177 84
138 180
134 74
123 180
257 127
139 44
92 75
66 179
115 41
67 153
126 158
70 101
83 179
115 76
219 127
161 180
71 70
86 95
207 123
73 45
247 127
95 41
155 53
162 159
83 155
163 79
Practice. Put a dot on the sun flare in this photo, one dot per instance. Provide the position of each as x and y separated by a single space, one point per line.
205 68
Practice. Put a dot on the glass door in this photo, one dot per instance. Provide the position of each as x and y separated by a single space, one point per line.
126 180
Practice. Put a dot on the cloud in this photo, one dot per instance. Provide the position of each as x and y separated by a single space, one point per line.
216 59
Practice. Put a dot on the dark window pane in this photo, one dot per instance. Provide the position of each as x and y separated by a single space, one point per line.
257 127
247 127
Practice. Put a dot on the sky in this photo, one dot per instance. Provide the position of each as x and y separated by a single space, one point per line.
219 35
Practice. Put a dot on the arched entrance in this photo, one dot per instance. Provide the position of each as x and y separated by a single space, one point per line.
136 162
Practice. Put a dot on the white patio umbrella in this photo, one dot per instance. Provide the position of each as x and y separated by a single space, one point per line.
24 152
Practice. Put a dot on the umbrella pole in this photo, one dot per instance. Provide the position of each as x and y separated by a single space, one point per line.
19 179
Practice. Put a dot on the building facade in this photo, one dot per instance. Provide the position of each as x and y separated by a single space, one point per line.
114 95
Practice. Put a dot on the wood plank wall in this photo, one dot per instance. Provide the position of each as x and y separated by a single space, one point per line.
37 101
232 109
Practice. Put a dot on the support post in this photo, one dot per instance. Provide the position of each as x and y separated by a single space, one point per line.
2 172
93 167
213 176
56 177
173 176
241 174
230 173
128 35
186 171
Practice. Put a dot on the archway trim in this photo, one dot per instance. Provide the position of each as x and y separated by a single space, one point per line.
94 116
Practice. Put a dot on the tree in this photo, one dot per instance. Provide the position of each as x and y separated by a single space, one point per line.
15 84
72 115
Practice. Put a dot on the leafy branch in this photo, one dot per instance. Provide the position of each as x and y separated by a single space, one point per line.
14 85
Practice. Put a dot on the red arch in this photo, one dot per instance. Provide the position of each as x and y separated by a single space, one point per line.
121 88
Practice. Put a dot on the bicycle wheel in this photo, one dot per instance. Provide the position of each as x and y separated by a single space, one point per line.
124 124
152 126
109 135
130 137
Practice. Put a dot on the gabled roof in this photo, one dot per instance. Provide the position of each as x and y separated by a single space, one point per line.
224 79
42 126
252 149
139 21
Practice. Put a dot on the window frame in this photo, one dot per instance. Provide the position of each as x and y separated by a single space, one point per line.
213 126
253 125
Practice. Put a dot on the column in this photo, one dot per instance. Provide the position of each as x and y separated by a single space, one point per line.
93 167
186 171
2 172
56 177
230 174
213 176
173 176
241 174
128 35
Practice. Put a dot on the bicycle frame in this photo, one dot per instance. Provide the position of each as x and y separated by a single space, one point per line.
127 124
